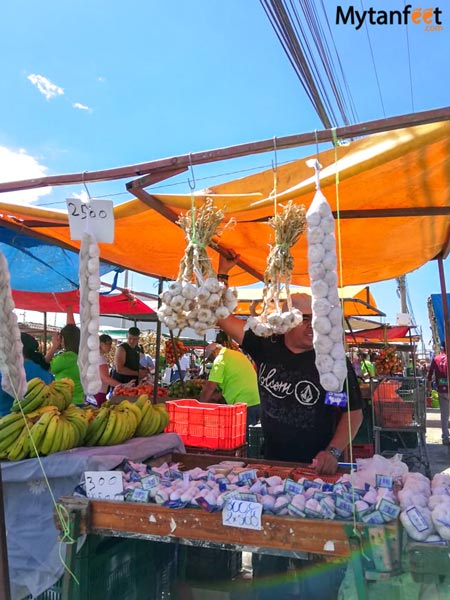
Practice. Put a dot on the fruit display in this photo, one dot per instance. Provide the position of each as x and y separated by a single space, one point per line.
180 349
58 393
138 390
148 341
192 389
387 362
46 422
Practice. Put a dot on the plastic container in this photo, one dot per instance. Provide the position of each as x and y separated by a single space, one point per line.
394 413
214 426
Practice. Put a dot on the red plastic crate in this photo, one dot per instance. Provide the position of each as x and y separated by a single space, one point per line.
362 451
215 426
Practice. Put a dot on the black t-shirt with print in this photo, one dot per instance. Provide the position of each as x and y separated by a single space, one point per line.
297 424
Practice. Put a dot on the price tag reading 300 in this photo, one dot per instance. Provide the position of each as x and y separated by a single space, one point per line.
104 485
240 513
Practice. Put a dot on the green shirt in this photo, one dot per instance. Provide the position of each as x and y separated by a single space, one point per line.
367 368
236 377
65 365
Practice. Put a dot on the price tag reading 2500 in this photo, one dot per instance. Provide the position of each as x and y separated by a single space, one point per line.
104 485
97 217
240 513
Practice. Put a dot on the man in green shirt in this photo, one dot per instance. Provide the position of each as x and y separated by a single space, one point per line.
367 367
236 377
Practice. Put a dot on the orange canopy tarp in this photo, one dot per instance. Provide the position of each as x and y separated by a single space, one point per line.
406 170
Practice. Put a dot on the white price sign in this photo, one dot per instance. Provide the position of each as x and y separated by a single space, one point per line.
104 485
95 216
243 514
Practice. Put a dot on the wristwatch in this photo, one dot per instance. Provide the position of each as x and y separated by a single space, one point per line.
335 452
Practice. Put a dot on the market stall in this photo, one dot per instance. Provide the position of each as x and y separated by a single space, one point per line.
358 167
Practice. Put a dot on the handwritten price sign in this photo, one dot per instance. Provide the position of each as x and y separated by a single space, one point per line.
104 485
243 514
97 217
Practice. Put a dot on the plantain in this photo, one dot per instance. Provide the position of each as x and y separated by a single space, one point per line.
37 431
96 427
19 449
50 433
106 438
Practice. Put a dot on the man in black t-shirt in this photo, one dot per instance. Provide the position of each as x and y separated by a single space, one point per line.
126 359
297 423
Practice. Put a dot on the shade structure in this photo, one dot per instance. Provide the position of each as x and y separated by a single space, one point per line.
392 206
388 334
36 266
122 304
357 300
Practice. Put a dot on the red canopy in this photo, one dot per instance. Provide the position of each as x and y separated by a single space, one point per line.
381 334
123 303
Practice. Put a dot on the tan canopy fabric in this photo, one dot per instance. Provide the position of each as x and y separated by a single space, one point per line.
393 201
357 300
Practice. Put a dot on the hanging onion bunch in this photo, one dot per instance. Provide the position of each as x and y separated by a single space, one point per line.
288 226
14 380
197 299
89 353
326 307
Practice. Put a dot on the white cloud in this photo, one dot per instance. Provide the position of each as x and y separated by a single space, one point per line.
17 165
45 86
101 79
81 106
83 196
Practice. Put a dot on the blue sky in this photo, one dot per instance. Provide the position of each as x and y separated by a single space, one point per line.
99 84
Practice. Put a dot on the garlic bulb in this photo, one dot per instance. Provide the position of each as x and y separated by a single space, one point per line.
326 309
14 380
89 353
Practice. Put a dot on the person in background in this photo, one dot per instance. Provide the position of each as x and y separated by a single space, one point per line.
236 377
438 373
185 365
145 360
126 359
35 366
63 358
367 367
105 341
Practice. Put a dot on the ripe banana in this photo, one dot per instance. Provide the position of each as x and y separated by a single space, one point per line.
58 435
41 411
150 423
66 387
106 437
123 428
38 430
56 398
20 448
97 426
79 420
50 433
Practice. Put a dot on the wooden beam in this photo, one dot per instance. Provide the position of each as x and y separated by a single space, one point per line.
208 156
171 215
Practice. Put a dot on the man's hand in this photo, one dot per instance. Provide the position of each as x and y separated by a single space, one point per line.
226 263
325 463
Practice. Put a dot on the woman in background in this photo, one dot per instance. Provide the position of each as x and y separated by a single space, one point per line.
35 366
63 357
107 380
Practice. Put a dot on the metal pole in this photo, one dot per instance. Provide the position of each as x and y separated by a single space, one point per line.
5 590
158 344
445 310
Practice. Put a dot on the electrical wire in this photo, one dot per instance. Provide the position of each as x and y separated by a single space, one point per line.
373 63
408 48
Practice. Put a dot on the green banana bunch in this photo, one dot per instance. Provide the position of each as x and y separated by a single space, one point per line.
150 421
65 386
38 430
79 420
20 448
164 416
51 433
97 426
106 439
32 398
10 428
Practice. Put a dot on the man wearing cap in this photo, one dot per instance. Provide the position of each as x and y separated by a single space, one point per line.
298 424
126 359
236 377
